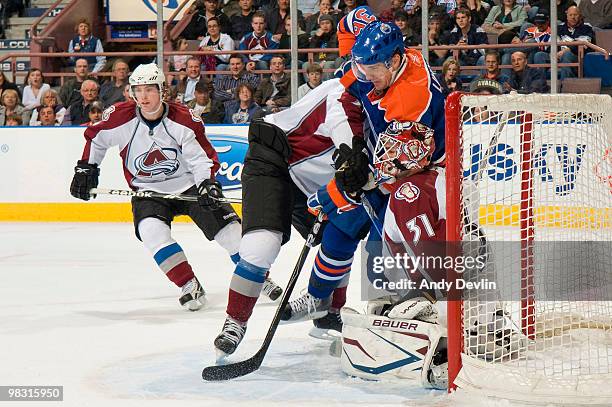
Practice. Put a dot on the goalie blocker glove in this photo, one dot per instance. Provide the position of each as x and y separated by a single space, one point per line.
209 195
352 166
85 178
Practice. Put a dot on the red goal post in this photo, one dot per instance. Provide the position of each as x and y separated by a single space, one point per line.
534 172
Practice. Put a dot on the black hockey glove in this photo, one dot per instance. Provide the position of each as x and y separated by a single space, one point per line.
352 166
210 193
85 178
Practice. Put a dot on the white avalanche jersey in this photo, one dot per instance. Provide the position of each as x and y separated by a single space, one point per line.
170 158
316 125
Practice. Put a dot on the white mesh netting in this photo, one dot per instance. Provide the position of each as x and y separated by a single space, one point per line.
537 176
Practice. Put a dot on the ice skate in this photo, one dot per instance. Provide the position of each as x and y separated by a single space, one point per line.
230 337
306 307
193 296
328 327
272 290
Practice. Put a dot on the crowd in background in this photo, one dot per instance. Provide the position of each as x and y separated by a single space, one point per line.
239 93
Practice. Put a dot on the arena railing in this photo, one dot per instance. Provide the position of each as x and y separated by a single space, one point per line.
455 50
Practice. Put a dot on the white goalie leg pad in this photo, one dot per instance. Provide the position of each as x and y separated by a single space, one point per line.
381 348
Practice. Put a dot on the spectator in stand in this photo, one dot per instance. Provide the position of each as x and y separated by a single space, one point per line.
34 89
401 20
243 108
210 110
177 63
49 99
346 6
434 26
6 84
126 94
325 7
111 91
70 92
185 89
562 7
225 85
241 22
388 15
273 92
507 16
493 73
47 117
481 114
479 10
201 11
450 77
258 39
94 114
314 73
525 79
12 7
275 18
325 37
308 7
285 43
84 41
216 41
575 29
466 33
534 34
14 120
78 112
598 13
10 106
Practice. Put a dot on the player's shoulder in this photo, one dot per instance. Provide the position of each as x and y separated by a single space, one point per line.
116 115
184 116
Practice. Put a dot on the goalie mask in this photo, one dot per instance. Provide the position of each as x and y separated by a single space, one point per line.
404 147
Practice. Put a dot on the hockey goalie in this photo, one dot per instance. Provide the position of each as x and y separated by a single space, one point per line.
403 335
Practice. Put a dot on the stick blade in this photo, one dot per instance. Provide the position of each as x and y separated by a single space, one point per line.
232 370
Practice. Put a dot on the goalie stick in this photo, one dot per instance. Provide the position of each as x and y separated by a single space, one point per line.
151 194
243 368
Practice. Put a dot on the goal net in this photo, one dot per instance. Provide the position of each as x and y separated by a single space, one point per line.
530 176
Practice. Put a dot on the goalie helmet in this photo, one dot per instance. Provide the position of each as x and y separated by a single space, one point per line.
403 146
147 74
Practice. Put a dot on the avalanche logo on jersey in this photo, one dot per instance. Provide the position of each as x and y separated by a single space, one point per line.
157 161
107 112
407 192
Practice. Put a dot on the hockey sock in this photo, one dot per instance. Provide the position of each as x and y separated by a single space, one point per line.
332 263
339 295
168 254
172 261
245 288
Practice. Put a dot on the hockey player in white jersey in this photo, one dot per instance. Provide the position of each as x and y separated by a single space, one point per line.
163 149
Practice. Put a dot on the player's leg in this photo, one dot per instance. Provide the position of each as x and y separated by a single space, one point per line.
152 219
267 202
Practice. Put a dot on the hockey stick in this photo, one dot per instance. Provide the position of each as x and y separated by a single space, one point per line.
242 368
151 194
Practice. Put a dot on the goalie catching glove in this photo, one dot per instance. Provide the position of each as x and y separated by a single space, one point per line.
85 178
210 195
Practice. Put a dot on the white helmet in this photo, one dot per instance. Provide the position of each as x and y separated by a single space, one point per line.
147 74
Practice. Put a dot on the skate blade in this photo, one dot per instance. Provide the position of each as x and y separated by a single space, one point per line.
309 317
221 358
325 334
195 305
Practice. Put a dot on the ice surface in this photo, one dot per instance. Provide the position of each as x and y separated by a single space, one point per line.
84 306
